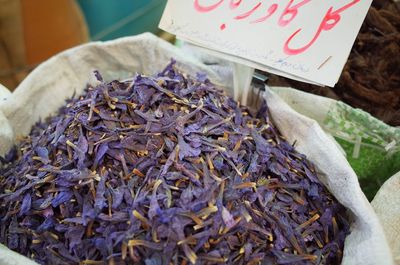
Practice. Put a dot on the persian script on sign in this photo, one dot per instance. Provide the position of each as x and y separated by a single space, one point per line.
309 40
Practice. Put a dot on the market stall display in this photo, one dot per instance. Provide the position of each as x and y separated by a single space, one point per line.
165 169
119 58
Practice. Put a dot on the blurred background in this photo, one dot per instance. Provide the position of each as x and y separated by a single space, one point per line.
32 31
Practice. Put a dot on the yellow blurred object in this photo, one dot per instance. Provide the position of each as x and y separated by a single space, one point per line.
12 55
33 31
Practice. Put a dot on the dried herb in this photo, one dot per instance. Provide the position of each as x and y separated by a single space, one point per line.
165 170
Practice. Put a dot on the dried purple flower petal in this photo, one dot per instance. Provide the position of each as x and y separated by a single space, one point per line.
165 170
26 204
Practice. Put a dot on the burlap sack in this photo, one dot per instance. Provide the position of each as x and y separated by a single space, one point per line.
46 88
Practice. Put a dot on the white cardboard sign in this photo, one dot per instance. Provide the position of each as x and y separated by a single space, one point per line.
309 40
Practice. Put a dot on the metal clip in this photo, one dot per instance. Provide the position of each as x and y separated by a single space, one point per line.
258 83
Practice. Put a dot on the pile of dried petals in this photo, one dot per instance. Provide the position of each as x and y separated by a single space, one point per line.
165 170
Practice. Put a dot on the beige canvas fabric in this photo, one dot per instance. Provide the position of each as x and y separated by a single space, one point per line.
6 133
387 206
366 244
8 257
46 88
